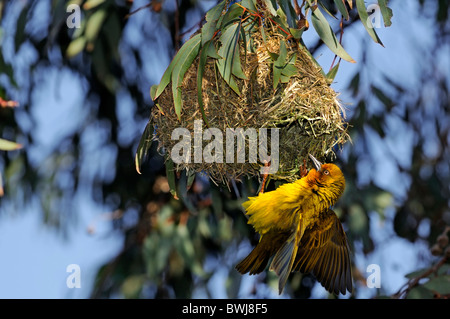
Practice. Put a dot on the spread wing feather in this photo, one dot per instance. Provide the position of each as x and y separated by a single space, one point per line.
324 251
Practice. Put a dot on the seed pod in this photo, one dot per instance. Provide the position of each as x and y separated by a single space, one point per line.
436 250
442 240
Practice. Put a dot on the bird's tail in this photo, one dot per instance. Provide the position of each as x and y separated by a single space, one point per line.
258 259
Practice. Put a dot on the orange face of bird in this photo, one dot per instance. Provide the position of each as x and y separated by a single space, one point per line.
327 176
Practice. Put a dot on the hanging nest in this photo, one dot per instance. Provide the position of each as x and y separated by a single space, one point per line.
272 82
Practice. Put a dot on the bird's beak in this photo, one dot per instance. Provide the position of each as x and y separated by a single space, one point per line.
316 162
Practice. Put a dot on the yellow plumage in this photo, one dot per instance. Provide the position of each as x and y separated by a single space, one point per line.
300 231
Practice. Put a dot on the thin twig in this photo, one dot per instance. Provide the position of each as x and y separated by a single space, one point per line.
139 9
413 282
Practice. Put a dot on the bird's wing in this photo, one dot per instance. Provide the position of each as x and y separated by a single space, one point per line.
324 252
284 258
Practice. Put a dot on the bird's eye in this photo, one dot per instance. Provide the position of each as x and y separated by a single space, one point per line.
326 172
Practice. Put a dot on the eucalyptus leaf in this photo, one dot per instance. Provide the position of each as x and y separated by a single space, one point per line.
288 9
6 145
420 292
233 15
165 80
170 173
94 24
364 16
386 12
21 22
230 64
249 4
332 73
212 16
153 89
289 70
143 147
187 55
90 4
272 6
279 64
340 4
327 10
212 52
75 47
190 178
200 71
327 35
439 284
297 33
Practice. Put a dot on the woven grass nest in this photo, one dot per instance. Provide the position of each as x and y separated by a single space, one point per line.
301 104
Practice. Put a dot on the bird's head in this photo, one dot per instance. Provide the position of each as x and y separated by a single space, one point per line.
327 176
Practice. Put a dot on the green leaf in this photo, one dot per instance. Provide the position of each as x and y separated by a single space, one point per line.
210 27
8 145
280 19
190 178
143 147
382 97
327 10
342 8
290 66
153 89
200 71
272 6
279 64
20 35
165 80
289 11
187 54
364 16
439 284
297 33
289 70
419 292
386 12
94 25
90 4
212 52
132 286
416 273
229 51
332 74
282 70
249 4
233 15
170 173
327 35
75 47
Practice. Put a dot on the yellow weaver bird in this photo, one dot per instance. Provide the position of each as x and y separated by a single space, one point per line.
296 225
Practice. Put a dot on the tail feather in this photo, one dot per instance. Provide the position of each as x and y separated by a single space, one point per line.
255 262
258 259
